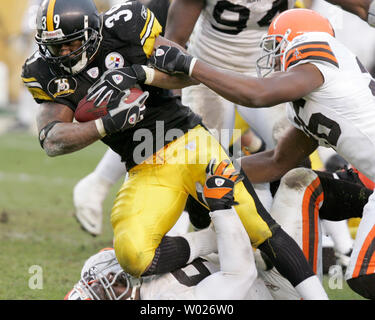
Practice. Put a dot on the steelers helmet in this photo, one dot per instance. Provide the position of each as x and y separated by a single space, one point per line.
63 21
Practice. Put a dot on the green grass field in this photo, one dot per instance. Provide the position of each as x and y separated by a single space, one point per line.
37 227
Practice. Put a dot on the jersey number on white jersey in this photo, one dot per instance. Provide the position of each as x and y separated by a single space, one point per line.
192 274
321 127
235 26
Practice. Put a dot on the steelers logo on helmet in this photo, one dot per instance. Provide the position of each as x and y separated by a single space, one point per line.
71 23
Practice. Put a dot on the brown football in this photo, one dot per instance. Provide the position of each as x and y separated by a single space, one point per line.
87 111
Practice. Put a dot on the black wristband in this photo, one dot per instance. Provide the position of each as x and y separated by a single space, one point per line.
139 72
186 62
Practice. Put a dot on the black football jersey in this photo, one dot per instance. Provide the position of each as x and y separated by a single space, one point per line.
129 31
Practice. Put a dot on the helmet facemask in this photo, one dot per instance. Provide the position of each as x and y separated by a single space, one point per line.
50 44
102 288
273 48
101 281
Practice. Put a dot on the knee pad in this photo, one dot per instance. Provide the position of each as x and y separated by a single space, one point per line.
298 178
133 259
363 285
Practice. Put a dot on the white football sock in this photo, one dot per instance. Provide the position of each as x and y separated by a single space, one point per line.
201 242
110 167
311 289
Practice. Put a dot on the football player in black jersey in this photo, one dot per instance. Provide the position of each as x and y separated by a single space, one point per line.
165 147
90 192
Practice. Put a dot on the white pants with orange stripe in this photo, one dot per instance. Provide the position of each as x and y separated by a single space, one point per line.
362 260
296 208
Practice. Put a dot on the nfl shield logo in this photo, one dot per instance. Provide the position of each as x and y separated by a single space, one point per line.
117 78
132 119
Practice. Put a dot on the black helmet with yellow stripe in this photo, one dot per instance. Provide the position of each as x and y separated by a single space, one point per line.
63 22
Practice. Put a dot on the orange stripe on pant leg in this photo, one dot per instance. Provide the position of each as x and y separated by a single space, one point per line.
308 202
370 237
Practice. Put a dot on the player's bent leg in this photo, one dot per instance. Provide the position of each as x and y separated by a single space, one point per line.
296 208
281 248
253 215
265 233
145 210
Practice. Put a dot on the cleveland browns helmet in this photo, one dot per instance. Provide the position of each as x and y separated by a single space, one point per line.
63 21
282 30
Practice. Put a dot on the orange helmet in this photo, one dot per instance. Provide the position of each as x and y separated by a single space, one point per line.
283 29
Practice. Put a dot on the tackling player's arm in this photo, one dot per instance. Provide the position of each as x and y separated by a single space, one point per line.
260 92
271 165
179 24
241 89
58 134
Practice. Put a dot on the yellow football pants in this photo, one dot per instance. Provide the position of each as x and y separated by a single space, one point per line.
152 199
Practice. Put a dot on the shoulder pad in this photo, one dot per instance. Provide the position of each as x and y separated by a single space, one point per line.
312 46
34 74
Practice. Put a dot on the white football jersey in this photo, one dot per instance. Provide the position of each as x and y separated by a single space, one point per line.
178 285
228 33
181 283
341 112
